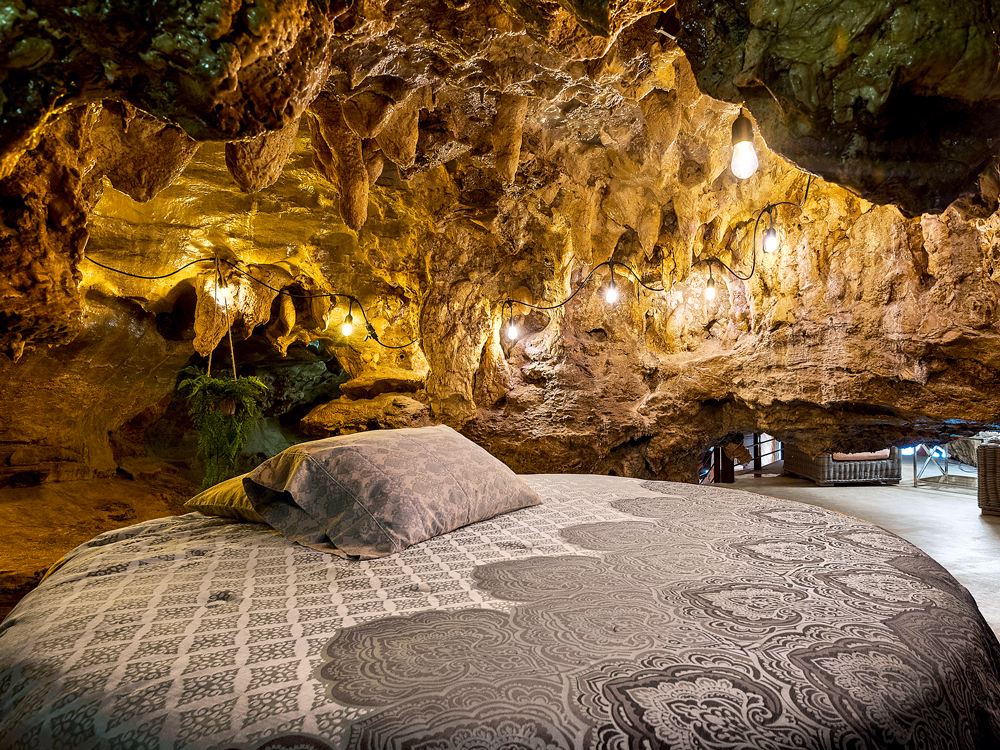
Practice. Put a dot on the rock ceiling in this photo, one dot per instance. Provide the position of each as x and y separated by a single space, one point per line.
434 158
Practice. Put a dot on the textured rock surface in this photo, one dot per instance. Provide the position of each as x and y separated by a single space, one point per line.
461 155
256 163
43 230
60 406
45 201
385 411
43 523
899 101
219 70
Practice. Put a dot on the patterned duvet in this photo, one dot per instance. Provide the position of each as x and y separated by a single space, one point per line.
617 614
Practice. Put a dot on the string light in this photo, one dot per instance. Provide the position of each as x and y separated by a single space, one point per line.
611 294
745 161
511 328
348 328
223 295
771 242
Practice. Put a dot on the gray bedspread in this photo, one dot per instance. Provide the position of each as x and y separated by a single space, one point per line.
617 614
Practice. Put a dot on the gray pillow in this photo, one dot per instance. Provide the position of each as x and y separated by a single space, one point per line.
375 493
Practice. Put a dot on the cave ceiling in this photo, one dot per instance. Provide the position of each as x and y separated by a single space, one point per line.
433 159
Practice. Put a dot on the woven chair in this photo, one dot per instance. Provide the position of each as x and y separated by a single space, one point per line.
988 460
824 471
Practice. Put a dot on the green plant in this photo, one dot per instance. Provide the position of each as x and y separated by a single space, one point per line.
224 410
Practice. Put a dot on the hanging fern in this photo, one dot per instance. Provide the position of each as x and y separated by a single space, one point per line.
224 410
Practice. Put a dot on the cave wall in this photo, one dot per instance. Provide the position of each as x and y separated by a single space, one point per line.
432 185
897 100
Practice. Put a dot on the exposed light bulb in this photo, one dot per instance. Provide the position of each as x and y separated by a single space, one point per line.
710 289
612 294
512 331
744 160
771 240
348 328
222 295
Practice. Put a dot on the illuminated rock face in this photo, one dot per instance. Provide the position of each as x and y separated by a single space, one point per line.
460 157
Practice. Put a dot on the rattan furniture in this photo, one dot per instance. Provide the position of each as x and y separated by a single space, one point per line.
988 460
825 471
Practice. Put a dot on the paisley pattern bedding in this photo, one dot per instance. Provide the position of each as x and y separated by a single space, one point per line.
617 614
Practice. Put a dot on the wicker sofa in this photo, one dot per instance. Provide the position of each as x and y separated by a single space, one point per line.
825 471
988 467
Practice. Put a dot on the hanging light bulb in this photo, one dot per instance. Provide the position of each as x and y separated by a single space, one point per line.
744 156
348 328
771 240
222 295
710 286
611 295
221 292
511 328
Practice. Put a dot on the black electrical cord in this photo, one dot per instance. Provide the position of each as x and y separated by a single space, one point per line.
756 225
352 300
148 278
509 303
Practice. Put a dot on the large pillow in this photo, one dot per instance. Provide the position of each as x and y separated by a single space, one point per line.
375 493
226 499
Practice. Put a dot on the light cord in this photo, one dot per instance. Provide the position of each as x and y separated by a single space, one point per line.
352 300
509 302
225 301
753 257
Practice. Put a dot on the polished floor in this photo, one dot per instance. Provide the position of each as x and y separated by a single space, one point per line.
944 523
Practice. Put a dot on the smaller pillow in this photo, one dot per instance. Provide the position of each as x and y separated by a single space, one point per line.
875 456
376 493
226 499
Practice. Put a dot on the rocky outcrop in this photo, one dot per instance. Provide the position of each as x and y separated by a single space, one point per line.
256 163
43 230
900 103
346 416
219 70
60 408
45 202
139 154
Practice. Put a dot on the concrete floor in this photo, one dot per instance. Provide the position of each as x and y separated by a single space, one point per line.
944 523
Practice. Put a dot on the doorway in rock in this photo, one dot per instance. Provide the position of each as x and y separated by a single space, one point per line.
757 453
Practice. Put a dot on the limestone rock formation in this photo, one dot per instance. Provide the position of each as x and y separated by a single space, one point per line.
256 163
43 230
899 101
139 154
45 201
59 411
219 70
338 154
385 380
347 416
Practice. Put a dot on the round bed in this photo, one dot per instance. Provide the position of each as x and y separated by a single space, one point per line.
617 614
